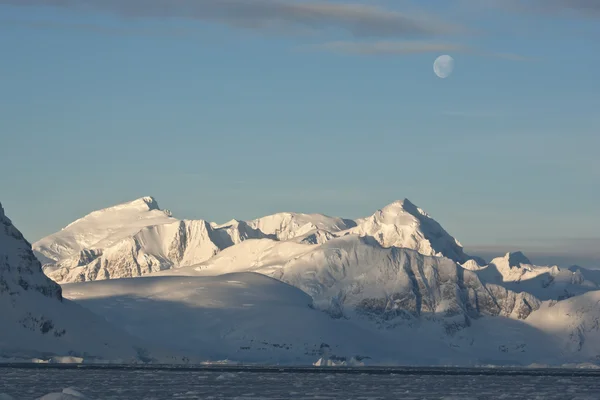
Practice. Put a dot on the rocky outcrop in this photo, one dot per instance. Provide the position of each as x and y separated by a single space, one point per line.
20 271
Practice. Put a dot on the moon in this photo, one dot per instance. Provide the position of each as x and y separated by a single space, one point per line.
443 66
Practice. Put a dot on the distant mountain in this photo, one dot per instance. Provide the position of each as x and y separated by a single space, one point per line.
138 238
36 322
102 228
284 226
133 239
403 224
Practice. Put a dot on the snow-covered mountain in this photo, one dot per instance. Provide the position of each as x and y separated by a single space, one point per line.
356 275
36 322
286 226
344 288
514 271
403 224
102 228
137 238
134 239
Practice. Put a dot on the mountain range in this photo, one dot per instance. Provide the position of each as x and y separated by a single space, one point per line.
390 288
138 238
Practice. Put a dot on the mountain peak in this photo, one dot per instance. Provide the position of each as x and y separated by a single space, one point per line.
143 204
146 201
403 206
401 203
517 258
231 222
402 212
403 224
103 227
3 218
407 203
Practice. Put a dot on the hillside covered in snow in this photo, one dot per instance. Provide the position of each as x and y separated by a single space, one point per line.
393 287
251 318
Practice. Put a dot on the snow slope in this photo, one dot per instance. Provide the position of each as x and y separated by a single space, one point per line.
355 278
38 323
248 317
137 238
514 271
576 321
388 285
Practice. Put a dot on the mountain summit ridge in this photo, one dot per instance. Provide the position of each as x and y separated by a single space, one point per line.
101 229
114 242
142 204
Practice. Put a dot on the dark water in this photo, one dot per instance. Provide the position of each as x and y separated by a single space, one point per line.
304 383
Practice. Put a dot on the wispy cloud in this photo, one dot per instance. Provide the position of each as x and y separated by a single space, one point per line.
93 28
589 8
509 56
386 47
586 8
361 20
406 47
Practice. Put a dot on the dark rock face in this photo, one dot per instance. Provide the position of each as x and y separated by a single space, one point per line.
19 269
441 290
460 297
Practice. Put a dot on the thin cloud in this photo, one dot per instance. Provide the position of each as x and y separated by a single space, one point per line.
382 48
405 48
583 7
510 56
358 19
586 8
105 30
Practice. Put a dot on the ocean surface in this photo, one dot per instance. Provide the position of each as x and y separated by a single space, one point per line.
158 383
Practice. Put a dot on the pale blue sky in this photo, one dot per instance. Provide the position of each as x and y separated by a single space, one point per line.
282 105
